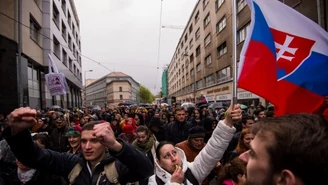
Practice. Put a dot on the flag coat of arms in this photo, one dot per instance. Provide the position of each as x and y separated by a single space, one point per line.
284 58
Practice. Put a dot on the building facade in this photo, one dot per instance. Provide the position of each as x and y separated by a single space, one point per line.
164 83
26 35
202 61
112 89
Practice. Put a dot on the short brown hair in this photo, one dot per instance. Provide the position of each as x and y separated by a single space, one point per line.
299 144
179 108
90 125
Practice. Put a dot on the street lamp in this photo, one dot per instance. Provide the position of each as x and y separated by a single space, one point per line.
85 85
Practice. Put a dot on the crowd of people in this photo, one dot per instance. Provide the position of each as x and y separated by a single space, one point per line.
162 145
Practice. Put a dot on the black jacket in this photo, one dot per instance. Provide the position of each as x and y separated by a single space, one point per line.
177 132
131 164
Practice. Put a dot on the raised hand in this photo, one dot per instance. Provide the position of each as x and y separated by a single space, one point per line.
106 136
21 119
233 115
178 175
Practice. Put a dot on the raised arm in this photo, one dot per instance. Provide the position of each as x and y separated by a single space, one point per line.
26 151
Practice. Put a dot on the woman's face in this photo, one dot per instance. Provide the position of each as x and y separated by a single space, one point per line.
136 118
197 115
171 118
247 139
74 141
40 122
168 158
142 137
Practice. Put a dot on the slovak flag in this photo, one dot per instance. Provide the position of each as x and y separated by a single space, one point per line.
284 58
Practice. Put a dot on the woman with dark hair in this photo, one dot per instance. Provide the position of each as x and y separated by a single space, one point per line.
197 119
139 119
171 164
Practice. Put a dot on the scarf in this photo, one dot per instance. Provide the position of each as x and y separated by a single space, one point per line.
144 147
25 176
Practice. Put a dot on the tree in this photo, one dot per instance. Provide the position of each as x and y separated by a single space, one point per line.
145 95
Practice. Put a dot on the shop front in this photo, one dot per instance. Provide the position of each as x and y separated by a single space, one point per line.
248 98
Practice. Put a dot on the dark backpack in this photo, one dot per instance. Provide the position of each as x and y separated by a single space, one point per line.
188 176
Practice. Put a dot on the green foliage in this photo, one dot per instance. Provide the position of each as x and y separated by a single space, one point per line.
145 95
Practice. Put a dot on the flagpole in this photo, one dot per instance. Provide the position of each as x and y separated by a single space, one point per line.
234 51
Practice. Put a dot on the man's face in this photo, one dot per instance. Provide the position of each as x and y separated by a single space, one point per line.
197 143
262 114
180 116
60 123
74 141
259 170
249 123
91 148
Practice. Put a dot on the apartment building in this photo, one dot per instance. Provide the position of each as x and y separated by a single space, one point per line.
61 25
202 61
112 89
27 30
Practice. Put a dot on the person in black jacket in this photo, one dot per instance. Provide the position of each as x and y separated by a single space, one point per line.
96 138
178 131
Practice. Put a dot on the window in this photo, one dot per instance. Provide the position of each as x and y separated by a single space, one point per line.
70 62
221 24
205 3
198 50
37 2
218 3
198 67
63 5
186 37
192 72
55 14
33 81
69 42
222 49
207 20
240 5
121 97
69 19
80 60
77 73
73 30
74 69
207 40
120 89
197 17
197 33
191 43
56 47
191 58
35 29
209 80
64 57
223 75
74 53
208 60
63 30
241 33
190 28
199 84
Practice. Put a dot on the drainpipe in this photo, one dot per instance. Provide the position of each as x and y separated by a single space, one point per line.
19 53
319 12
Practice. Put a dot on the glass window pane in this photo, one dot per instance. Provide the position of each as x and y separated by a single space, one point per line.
30 84
30 92
29 73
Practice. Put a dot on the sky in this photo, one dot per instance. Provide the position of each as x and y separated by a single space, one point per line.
123 35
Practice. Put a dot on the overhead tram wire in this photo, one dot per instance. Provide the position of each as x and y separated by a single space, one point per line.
159 42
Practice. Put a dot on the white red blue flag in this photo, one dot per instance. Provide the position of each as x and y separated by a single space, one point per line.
284 58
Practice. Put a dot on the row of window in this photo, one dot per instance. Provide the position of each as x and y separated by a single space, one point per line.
219 77
61 54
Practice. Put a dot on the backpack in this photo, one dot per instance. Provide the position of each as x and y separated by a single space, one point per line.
188 176
109 170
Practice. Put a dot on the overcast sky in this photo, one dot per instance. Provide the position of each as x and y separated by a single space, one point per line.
123 35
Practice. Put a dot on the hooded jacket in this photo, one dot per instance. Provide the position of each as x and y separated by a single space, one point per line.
131 164
205 161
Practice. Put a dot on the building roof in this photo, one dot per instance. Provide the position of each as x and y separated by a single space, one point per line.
116 74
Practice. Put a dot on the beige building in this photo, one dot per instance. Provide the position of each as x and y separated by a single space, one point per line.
112 89
202 61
